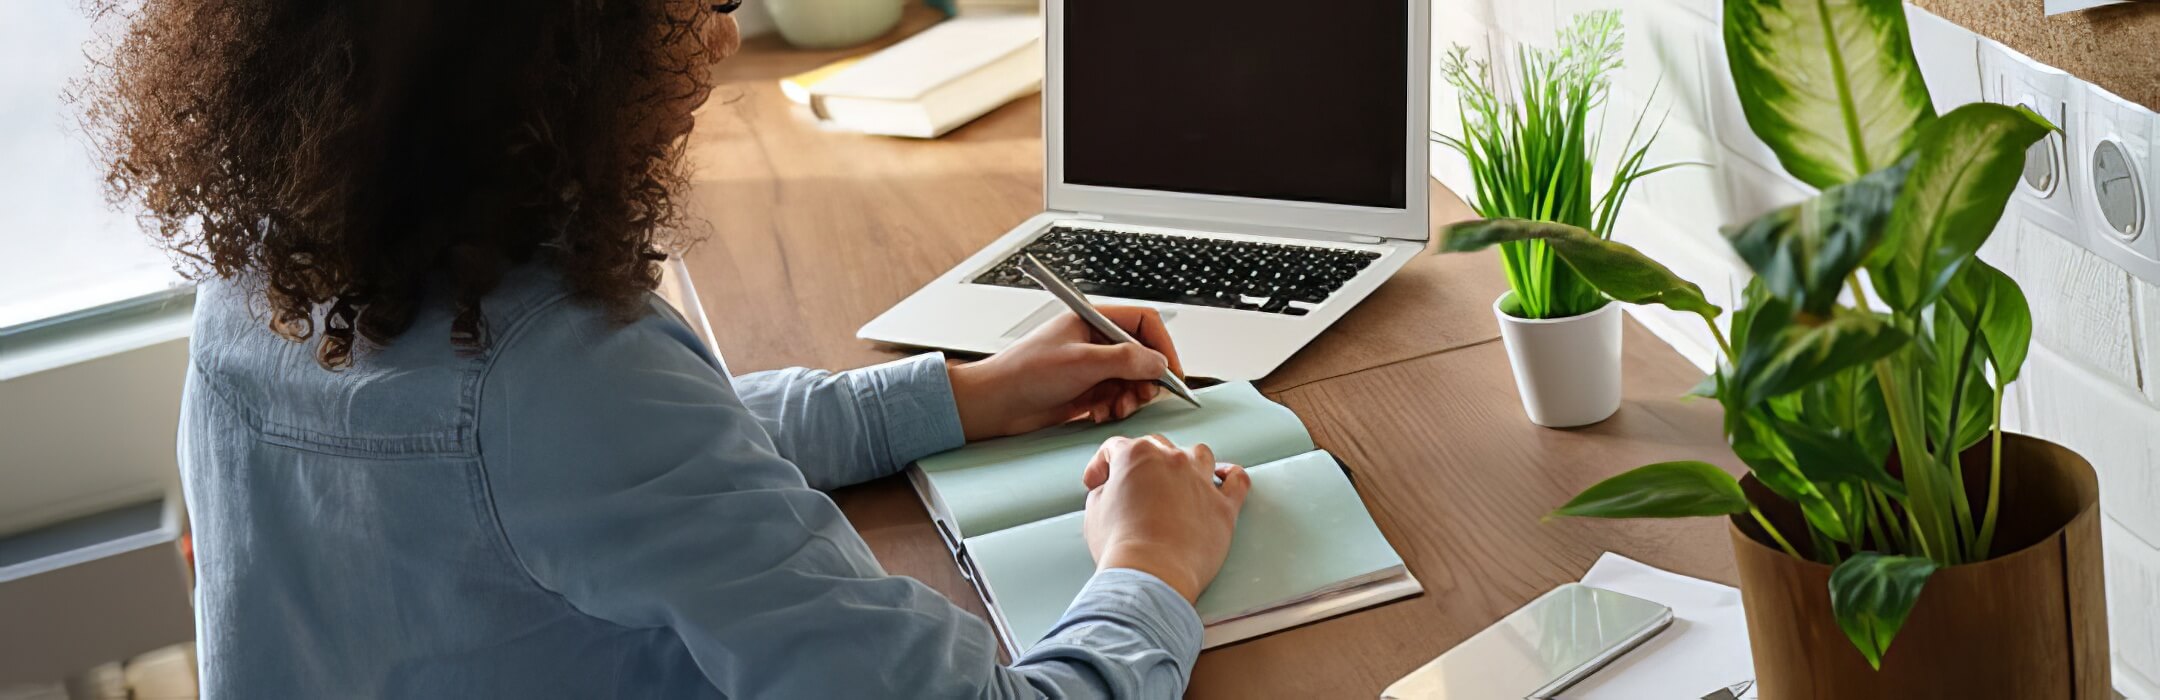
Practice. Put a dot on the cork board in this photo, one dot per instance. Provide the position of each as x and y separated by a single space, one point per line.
2116 47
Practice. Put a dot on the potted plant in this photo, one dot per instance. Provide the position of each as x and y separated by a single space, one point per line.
1532 158
1883 499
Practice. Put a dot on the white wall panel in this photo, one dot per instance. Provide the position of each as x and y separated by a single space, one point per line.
2080 304
2001 248
1691 193
2148 341
2133 592
1752 190
1945 52
1728 124
1531 22
2111 425
1706 9
1709 264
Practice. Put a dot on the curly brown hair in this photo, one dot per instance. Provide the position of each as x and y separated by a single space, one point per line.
351 156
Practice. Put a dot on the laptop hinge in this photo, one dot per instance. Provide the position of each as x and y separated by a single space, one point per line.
1232 227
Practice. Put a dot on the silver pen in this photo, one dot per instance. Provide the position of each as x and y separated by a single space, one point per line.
1065 292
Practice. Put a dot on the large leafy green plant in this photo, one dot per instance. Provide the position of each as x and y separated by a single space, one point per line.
1532 156
1821 388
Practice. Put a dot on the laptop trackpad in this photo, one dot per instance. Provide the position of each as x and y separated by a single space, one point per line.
1052 308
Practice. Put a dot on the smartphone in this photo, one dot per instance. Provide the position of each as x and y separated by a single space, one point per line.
1540 649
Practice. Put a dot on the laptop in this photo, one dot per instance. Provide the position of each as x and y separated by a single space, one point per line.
1250 168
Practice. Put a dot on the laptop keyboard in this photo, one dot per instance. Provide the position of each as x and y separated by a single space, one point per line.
1270 277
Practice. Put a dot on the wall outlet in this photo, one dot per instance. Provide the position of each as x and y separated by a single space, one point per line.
2113 164
2047 185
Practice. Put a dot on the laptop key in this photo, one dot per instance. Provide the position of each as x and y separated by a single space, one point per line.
1282 278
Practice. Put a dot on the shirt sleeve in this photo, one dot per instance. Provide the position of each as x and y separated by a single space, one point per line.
629 479
850 427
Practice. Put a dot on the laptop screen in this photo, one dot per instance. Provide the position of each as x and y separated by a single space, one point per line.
1271 99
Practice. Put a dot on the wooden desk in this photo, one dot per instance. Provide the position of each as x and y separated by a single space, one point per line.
814 233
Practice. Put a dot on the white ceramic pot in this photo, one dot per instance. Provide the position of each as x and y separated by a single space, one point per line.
1566 369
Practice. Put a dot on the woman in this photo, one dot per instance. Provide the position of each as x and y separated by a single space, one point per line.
440 440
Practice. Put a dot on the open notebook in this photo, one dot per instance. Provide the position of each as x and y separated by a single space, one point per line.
1305 548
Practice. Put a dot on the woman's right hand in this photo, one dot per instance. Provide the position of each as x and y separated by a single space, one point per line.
1156 508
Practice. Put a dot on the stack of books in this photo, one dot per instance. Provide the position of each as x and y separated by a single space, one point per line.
979 7
932 82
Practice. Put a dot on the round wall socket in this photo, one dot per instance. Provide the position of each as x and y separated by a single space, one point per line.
2117 192
2043 168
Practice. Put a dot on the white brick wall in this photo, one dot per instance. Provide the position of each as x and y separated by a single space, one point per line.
2086 411
2148 323
2093 382
2080 302
2133 582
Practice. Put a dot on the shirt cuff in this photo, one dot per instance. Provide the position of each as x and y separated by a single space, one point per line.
1140 600
913 400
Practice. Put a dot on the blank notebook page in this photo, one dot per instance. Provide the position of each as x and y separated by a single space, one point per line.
1303 532
996 484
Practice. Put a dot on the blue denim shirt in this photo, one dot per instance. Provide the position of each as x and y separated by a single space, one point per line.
588 510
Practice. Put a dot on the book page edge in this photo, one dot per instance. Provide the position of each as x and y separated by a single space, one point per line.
1370 596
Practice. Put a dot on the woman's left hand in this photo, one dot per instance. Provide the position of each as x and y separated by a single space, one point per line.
1062 371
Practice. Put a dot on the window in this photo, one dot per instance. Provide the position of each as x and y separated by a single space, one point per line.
63 252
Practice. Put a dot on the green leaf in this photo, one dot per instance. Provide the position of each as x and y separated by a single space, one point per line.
1850 403
1985 298
1781 358
1705 389
1618 270
1775 466
1758 330
1830 85
1804 252
1830 455
1752 298
1956 373
1968 162
1662 490
1871 594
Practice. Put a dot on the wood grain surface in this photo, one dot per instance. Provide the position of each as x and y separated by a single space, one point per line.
2029 623
812 233
1459 481
808 233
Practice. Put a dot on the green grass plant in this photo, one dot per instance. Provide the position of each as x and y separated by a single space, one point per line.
1532 147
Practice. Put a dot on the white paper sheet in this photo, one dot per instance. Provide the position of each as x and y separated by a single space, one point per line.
1705 649
2056 7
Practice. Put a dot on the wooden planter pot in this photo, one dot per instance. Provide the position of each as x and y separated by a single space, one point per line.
2029 623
